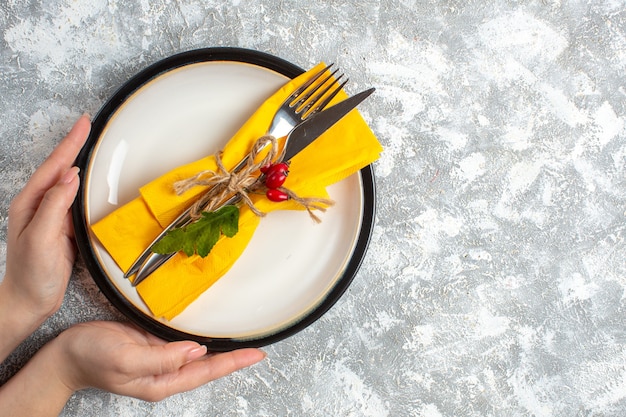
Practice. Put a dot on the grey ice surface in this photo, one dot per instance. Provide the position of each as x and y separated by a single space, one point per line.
495 281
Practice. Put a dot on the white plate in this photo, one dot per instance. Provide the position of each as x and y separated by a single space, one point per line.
179 110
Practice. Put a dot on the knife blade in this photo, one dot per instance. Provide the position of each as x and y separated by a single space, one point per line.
299 138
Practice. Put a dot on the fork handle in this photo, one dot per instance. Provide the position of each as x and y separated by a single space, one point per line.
182 220
154 260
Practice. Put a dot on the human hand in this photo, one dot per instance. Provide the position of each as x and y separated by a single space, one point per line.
40 246
119 358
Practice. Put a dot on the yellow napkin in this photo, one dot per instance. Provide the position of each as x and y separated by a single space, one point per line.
343 150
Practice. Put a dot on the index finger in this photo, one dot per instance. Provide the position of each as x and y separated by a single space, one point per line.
197 373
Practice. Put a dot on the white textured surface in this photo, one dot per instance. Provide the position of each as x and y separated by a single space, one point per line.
494 284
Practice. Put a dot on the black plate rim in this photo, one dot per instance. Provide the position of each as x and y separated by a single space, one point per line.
82 235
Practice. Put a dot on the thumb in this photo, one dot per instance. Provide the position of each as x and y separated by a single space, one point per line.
56 202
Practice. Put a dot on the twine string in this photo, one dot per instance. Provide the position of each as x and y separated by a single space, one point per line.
223 183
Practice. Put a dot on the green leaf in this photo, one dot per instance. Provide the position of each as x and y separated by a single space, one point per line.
200 237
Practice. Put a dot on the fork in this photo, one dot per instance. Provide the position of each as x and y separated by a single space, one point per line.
308 99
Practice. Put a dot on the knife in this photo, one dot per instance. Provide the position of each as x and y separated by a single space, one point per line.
299 138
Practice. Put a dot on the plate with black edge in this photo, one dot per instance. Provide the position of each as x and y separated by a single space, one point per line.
174 112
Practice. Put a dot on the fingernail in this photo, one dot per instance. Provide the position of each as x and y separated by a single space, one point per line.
87 115
196 353
70 175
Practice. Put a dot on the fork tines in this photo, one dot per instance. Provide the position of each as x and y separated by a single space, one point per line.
315 100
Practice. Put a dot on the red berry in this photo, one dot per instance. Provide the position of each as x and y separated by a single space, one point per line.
276 175
281 166
275 179
265 168
276 195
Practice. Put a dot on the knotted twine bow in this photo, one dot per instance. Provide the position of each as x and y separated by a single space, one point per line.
224 183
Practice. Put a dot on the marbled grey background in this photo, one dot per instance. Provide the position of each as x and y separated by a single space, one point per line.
495 281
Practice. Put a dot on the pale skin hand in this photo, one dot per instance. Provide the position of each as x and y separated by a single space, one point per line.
122 359
40 248
40 245
116 357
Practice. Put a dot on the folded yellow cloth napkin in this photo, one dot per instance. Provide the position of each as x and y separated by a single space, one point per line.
343 150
